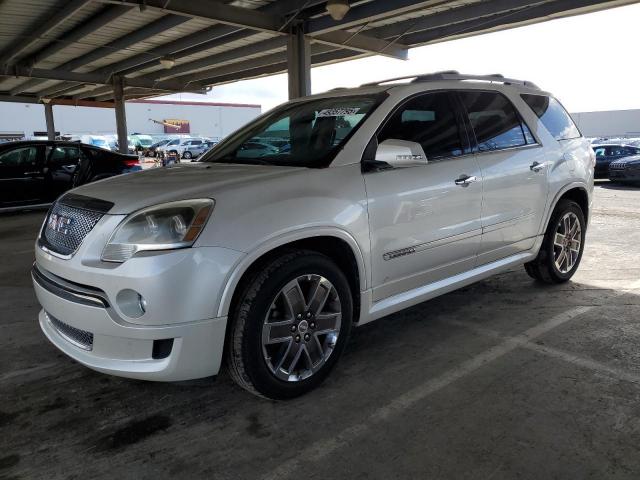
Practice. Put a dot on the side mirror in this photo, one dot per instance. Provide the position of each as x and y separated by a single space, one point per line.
401 153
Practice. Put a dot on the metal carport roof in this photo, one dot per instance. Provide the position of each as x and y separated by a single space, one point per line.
71 51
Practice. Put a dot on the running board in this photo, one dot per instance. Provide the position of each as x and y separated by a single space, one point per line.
409 298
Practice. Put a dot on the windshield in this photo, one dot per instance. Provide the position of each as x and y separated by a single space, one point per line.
305 134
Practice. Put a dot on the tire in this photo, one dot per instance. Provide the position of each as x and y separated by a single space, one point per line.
187 155
545 267
252 362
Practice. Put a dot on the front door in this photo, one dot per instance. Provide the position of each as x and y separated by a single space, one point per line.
514 171
21 176
424 227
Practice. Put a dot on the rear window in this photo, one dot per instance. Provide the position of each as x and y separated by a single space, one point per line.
553 116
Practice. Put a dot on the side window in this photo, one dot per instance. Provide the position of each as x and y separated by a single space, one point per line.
429 120
64 155
19 158
553 116
494 120
196 142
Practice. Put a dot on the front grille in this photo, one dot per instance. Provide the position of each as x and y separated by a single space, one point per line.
80 338
66 227
618 166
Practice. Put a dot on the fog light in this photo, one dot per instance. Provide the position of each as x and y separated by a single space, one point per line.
131 303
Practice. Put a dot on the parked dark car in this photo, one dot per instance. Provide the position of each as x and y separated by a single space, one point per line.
37 172
625 170
607 153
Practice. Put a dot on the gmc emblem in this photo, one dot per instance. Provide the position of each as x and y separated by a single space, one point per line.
59 224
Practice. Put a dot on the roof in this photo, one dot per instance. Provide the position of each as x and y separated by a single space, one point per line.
73 49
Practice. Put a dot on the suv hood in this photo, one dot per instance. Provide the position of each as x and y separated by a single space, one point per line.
132 192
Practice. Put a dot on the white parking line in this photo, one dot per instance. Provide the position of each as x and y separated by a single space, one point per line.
321 449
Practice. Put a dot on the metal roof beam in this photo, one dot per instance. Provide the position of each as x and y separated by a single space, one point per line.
204 39
40 27
507 19
320 56
369 12
214 10
105 16
363 43
269 22
201 40
452 16
65 75
5 97
160 25
238 67
230 55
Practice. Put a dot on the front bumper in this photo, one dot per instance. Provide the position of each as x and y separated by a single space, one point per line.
92 334
182 289
625 175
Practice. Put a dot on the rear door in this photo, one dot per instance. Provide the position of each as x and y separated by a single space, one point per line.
21 176
424 226
514 173
62 162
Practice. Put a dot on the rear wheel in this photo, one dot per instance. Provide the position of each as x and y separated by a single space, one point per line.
290 325
562 246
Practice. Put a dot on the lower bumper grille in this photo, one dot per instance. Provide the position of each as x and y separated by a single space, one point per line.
80 338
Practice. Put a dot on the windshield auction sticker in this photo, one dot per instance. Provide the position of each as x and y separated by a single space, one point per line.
338 112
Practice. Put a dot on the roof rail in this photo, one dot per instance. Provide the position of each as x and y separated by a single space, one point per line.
455 75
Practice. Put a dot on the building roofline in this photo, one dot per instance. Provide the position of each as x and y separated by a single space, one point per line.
198 104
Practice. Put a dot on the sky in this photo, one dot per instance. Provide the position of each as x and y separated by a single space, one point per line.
590 62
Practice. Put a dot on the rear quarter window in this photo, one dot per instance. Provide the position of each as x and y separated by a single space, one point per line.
553 116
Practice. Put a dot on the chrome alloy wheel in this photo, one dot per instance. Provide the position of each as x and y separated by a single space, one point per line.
566 242
301 328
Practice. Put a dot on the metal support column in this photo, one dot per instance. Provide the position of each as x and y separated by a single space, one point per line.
121 115
299 63
48 116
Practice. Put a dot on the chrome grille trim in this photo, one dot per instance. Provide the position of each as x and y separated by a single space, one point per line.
80 338
73 292
65 228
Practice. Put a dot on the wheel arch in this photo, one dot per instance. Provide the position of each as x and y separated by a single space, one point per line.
337 244
578 193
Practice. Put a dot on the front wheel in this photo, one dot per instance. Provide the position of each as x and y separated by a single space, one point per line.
290 325
562 246
187 155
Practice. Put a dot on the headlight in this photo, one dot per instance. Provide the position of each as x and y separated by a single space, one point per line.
161 227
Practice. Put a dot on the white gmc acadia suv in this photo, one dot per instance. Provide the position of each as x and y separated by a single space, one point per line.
370 200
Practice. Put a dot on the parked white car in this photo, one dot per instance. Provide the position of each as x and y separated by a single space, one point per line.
182 147
385 196
99 141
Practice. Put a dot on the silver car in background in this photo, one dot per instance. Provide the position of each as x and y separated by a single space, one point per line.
369 200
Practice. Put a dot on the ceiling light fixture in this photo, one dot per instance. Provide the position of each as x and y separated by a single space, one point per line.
338 8
167 62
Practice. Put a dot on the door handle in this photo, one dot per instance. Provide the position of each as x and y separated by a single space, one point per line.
465 180
536 166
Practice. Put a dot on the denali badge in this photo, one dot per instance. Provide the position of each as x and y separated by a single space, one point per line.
59 224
